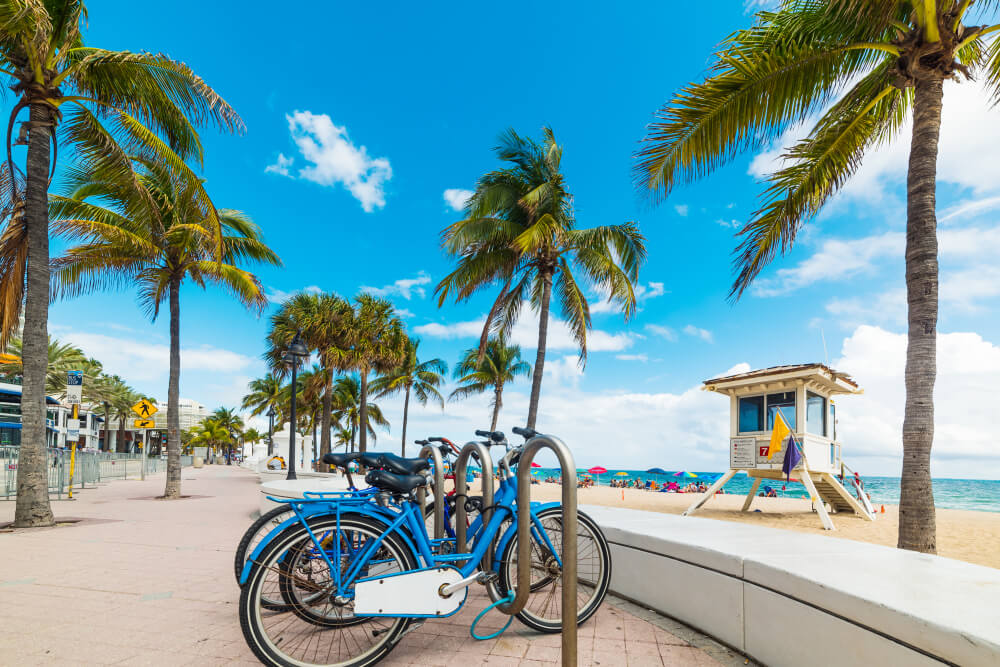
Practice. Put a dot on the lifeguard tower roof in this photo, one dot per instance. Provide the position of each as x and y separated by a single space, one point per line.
820 376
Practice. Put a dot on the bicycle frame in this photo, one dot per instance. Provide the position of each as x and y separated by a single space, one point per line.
406 521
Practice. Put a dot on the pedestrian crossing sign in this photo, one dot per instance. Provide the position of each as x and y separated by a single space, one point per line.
144 408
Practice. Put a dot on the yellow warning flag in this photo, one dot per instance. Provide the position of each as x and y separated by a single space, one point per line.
778 434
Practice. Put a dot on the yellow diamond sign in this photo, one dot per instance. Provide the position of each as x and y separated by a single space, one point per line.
144 408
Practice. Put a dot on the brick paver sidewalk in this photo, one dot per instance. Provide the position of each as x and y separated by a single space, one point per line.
147 582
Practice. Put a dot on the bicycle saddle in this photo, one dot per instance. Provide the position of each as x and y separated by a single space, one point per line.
370 460
341 459
401 466
395 483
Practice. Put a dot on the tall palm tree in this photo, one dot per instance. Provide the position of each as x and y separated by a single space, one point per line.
322 320
96 101
347 409
499 365
421 378
376 343
520 235
155 232
210 433
232 422
265 394
891 57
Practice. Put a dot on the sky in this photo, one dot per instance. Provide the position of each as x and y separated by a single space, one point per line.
367 127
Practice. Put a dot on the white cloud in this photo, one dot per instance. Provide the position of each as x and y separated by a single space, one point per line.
278 296
525 333
965 403
835 260
456 198
333 159
632 357
888 307
404 287
280 166
600 304
313 289
682 210
704 334
134 359
729 224
968 209
662 332
404 313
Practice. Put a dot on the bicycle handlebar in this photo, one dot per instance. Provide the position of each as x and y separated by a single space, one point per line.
495 437
526 433
421 442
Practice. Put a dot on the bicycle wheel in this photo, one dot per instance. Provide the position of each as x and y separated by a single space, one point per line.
327 633
543 611
264 524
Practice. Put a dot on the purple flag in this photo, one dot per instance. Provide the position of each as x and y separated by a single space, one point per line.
792 458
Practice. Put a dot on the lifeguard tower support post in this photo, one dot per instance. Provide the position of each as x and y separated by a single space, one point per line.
804 395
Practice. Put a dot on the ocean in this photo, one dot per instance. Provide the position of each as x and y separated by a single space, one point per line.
959 494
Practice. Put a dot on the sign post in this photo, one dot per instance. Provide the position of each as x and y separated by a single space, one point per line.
145 409
74 394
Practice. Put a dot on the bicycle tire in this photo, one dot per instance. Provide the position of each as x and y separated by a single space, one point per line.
264 521
252 620
507 576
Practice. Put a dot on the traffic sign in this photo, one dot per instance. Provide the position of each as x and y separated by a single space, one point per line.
143 423
74 387
144 408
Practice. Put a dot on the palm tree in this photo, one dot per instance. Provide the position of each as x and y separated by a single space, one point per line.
347 408
499 365
321 320
61 357
891 57
210 433
412 375
376 343
232 422
520 234
154 232
264 393
102 100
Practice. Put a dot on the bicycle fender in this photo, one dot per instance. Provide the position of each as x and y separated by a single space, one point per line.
512 530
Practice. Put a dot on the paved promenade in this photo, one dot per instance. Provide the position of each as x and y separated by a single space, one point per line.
139 581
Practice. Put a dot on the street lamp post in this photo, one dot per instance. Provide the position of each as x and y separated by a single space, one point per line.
270 431
229 457
296 349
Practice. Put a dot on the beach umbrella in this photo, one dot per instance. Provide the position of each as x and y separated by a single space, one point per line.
621 474
657 471
685 474
536 465
598 470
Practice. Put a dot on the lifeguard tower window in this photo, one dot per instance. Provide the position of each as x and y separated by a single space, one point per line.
815 414
751 414
784 402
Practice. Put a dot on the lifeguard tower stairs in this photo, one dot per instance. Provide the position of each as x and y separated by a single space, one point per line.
803 394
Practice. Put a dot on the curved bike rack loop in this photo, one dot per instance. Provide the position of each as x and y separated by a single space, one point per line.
435 454
569 546
461 489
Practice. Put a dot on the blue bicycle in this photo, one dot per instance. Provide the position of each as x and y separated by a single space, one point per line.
355 574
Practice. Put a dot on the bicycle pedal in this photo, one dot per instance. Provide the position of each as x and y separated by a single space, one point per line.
487 577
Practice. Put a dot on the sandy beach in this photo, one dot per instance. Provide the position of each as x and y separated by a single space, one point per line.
964 535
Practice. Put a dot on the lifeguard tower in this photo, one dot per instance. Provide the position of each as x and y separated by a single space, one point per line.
804 396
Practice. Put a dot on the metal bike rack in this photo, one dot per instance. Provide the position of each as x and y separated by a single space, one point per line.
569 546
461 489
435 454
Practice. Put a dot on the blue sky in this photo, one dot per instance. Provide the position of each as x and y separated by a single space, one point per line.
360 120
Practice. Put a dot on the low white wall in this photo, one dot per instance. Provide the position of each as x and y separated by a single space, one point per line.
787 598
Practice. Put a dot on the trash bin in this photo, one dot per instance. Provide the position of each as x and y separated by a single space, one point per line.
198 462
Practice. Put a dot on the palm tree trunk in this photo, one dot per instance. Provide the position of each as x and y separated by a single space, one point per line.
406 412
497 404
363 416
120 442
324 446
173 487
543 332
33 508
917 527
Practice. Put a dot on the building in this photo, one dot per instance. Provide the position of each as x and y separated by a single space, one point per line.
190 413
56 419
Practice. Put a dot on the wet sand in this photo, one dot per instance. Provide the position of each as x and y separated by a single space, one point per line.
961 534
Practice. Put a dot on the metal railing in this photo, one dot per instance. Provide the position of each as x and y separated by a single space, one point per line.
90 469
